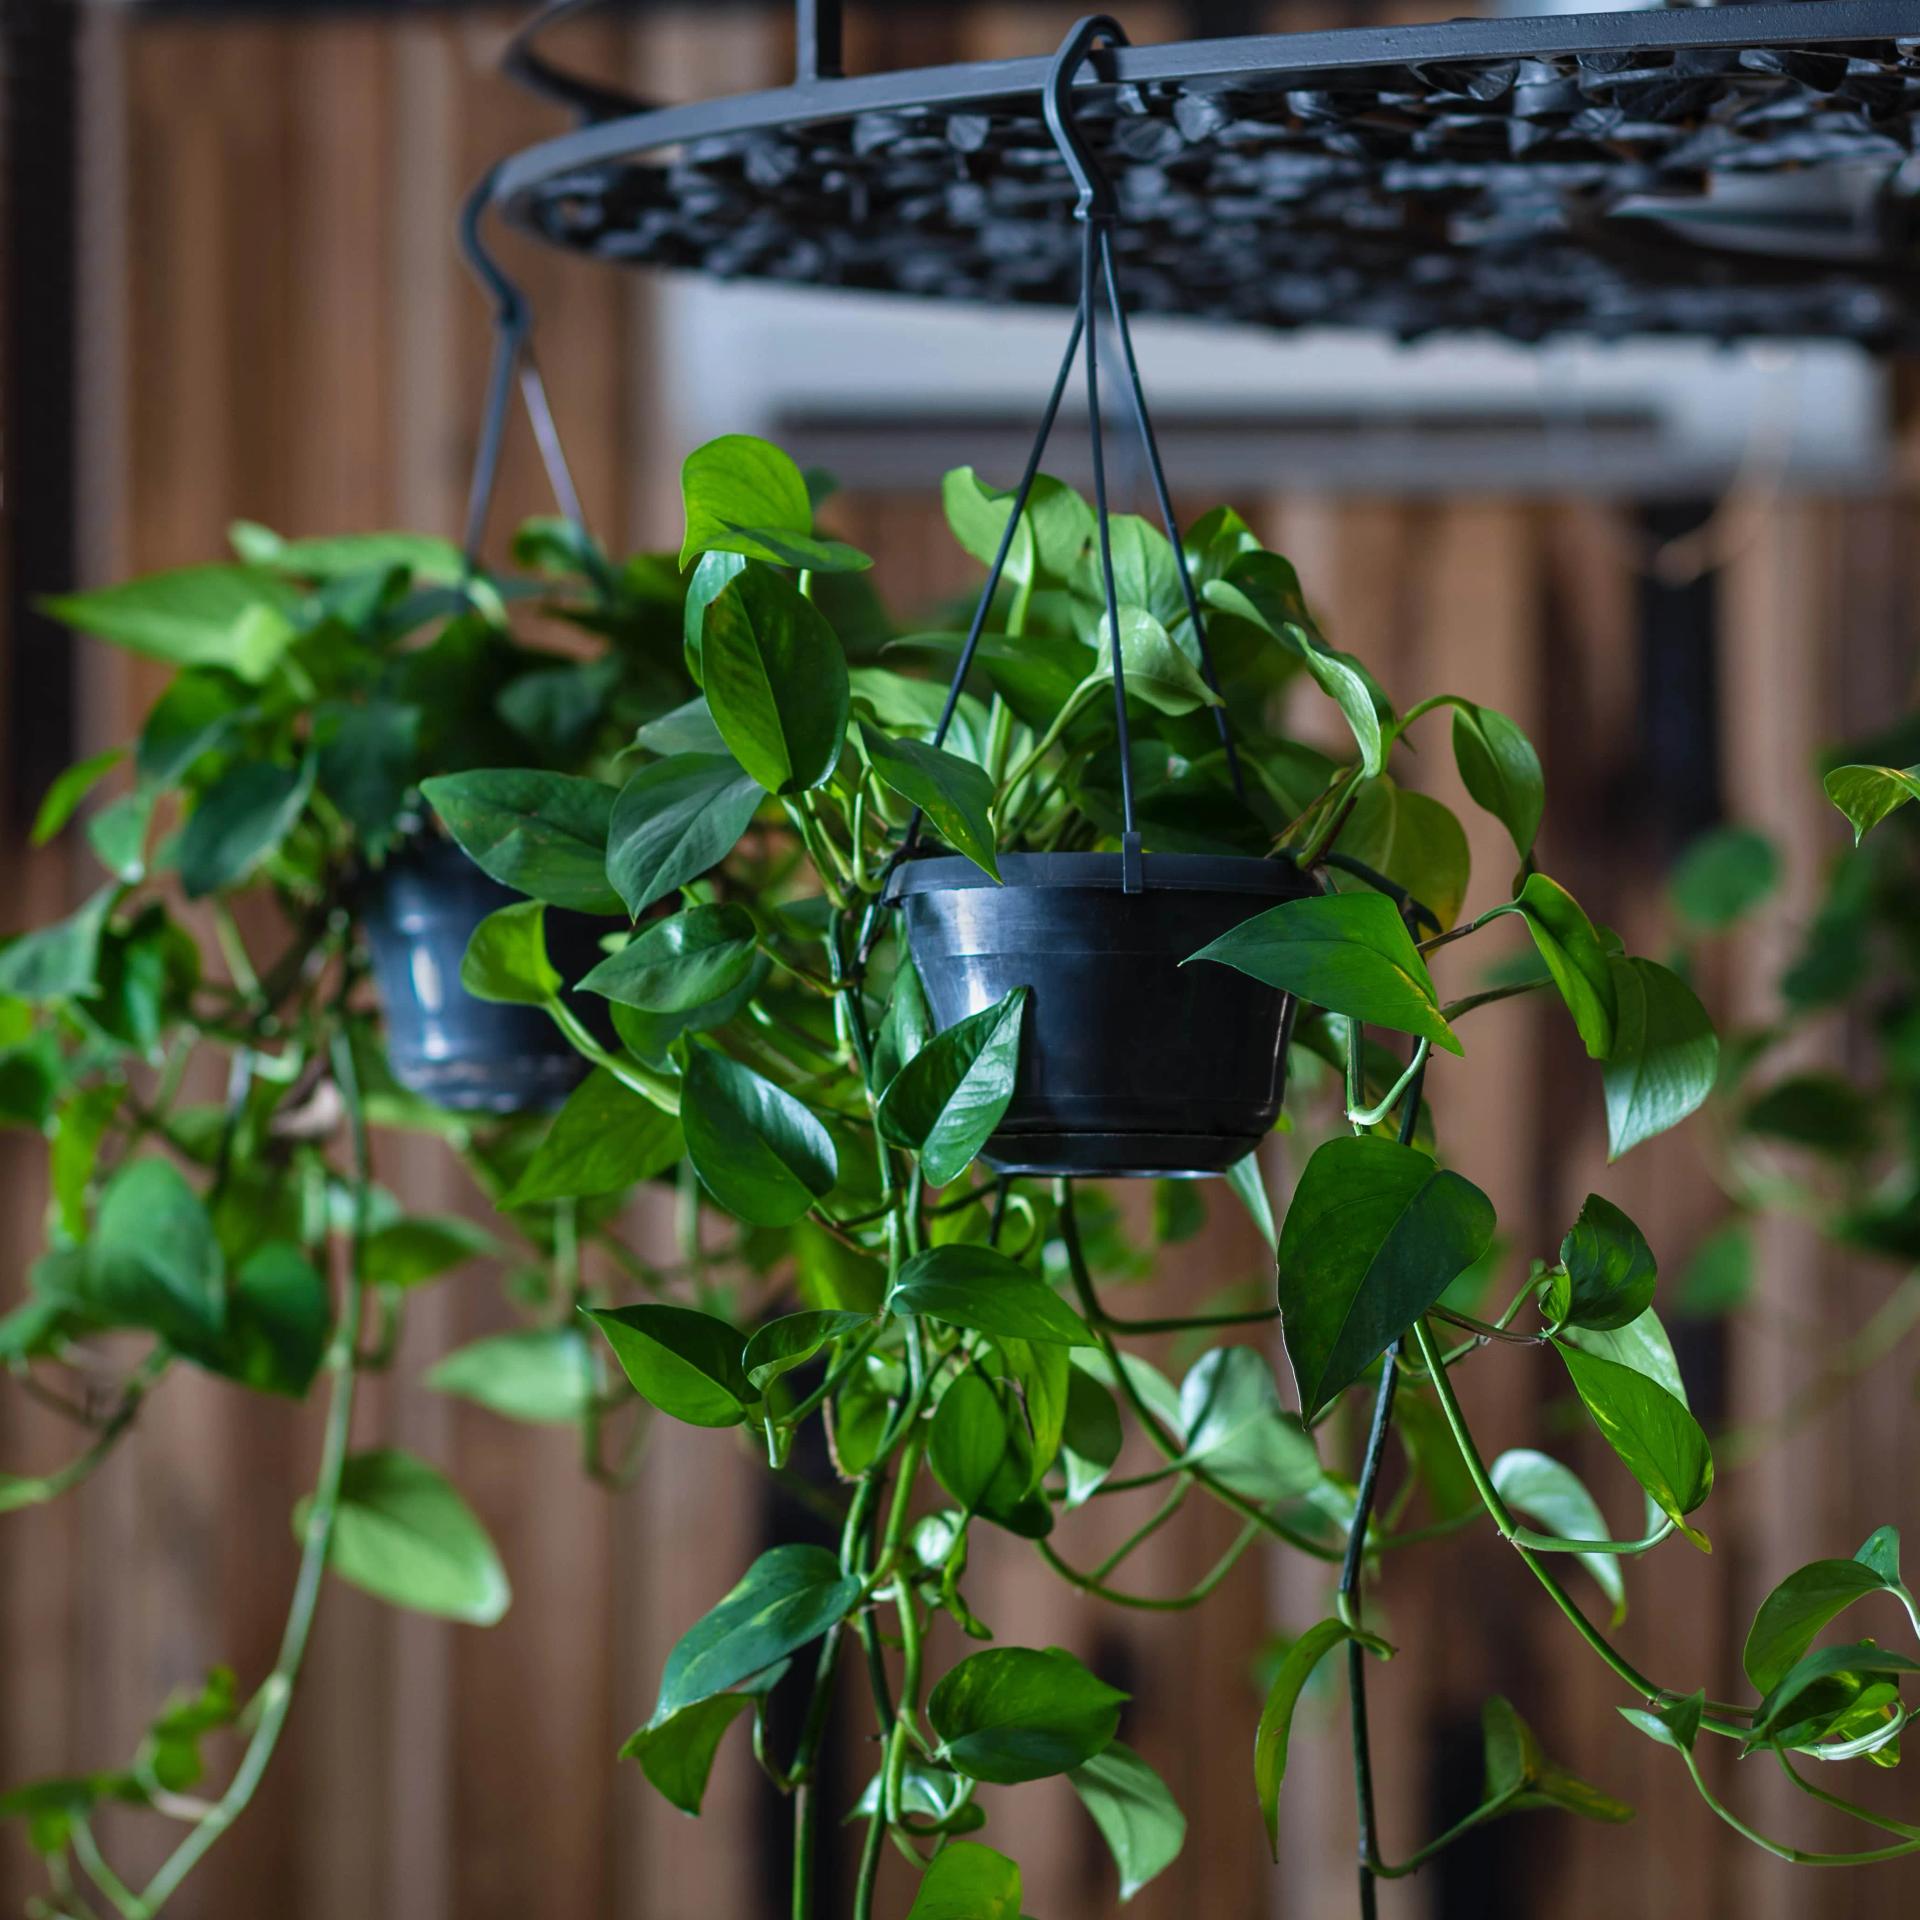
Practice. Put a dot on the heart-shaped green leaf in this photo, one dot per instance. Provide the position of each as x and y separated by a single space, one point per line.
1556 1500
757 1150
1348 952
968 1882
543 834
1500 770
1866 795
1374 1237
682 962
1659 1442
1138 1818
776 681
238 822
1610 1268
1574 956
506 958
1232 1424
746 496
603 1140
978 1449
1664 1058
1795 1611
947 1100
969 1286
1156 671
1412 839
954 794
677 1755
541 1375
790 1595
684 1362
402 1534
674 820
1019 1713
791 1341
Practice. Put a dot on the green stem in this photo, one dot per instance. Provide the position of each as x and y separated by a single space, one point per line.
1796 1856
1487 1810
1074 703
275 1697
15 1493
1360 1118
655 1087
1148 1603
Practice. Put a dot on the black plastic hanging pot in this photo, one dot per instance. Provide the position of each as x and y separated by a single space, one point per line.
1130 1064
418 913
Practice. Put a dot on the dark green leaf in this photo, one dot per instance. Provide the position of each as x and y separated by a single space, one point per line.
1718 1276
506 957
968 1882
789 1596
1795 1611
757 1150
1657 1439
1575 958
1017 1713
194 715
1664 1057
238 822
1554 1498
367 759
1271 1739
1866 795
954 794
1820 1111
405 1536
674 820
1349 953
279 1319
1412 839
153 1260
1500 770
979 1452
1609 1265
776 681
784 1344
683 1362
1374 1236
1519 1772
969 1286
677 1755
682 962
232 617
1775 1715
604 1139
907 1028
1139 1819
542 1375
947 1100
543 834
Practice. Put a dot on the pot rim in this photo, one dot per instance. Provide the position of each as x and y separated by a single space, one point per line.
1100 872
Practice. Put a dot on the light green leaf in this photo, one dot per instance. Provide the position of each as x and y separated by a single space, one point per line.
1664 1057
69 789
1676 1724
542 1375
60 962
1349 953
1641 1344
677 1755
947 1100
1554 1498
757 1150
238 822
685 961
907 1027
1658 1440
1091 1435
232 617
1016 1713
790 1595
1375 1235
1519 1773
1723 876
428 558
1866 795
1774 1718
954 794
1500 770
1232 1424
506 958
776 681
1415 841
1156 671
791 1341
604 1139
745 496
1139 1819
968 1286
687 729
968 1882
684 1362
543 834
675 819
402 1534
1796 1610
1250 1187
1575 958
1610 1267
423 1247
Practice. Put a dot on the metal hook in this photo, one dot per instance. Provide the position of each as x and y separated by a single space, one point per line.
1098 202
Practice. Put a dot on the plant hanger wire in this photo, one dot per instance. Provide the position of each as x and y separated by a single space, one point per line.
1098 211
513 364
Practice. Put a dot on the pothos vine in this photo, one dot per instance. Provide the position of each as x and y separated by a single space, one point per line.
724 795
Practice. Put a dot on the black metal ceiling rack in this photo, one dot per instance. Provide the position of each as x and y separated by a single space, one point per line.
1479 174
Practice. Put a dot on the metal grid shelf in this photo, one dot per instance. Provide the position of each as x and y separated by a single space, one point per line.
1734 173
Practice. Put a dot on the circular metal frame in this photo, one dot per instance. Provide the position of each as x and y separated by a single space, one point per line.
1501 174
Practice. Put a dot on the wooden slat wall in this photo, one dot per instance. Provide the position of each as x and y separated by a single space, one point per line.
284 333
